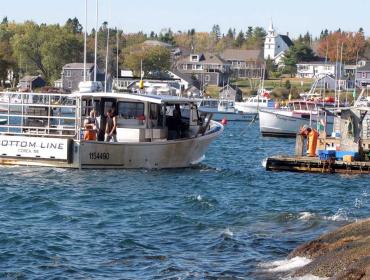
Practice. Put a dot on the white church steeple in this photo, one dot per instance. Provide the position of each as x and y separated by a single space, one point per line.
275 45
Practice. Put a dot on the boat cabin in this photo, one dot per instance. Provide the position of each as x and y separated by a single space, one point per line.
143 118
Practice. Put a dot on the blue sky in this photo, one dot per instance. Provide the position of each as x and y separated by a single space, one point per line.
291 16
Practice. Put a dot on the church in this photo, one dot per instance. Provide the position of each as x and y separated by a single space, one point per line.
276 45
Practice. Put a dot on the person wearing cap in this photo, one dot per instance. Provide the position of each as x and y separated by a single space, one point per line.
312 135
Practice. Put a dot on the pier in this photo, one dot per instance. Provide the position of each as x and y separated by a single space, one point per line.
315 165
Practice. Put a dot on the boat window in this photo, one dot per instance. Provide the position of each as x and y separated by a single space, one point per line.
108 105
130 110
311 107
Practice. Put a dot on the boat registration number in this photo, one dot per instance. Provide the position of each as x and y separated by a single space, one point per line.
95 156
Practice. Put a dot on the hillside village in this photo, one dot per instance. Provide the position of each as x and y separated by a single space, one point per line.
196 63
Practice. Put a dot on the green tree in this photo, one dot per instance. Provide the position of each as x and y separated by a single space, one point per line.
156 60
73 25
239 40
47 47
216 32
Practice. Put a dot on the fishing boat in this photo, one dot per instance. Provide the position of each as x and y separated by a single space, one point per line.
254 103
224 109
286 121
147 134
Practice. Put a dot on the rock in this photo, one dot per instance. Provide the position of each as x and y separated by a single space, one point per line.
341 255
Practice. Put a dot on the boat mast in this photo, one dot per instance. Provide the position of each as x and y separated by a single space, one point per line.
85 40
96 39
340 73
107 52
117 41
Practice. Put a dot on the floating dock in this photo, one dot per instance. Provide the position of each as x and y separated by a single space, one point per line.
315 165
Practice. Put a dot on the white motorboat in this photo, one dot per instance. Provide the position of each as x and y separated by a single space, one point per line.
224 109
286 122
147 134
254 103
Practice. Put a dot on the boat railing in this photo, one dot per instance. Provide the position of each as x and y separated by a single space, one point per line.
39 114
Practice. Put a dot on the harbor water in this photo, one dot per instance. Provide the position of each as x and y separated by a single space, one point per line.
226 218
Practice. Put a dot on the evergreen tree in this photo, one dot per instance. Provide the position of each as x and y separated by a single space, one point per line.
216 32
239 41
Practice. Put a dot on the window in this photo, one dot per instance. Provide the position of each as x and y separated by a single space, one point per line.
184 67
130 110
364 75
68 73
82 73
194 58
207 78
69 84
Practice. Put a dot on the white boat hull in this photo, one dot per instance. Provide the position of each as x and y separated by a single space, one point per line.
248 108
234 116
95 154
276 123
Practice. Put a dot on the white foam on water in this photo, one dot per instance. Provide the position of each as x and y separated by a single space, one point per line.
306 216
359 203
199 197
286 264
264 163
227 233
199 160
341 215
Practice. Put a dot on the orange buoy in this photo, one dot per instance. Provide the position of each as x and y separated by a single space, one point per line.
224 121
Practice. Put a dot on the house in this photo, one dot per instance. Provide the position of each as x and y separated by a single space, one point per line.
363 75
73 74
29 83
230 92
317 69
245 63
207 68
276 45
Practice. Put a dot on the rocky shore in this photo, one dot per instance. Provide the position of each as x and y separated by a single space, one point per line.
341 255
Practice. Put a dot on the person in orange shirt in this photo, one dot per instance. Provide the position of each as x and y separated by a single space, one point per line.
91 126
312 136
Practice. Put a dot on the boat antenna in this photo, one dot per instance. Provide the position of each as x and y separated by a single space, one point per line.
117 41
85 40
107 51
96 39
340 73
336 74
354 91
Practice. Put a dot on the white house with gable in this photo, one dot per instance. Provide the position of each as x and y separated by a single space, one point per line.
276 45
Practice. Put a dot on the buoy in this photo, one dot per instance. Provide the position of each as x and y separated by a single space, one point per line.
224 121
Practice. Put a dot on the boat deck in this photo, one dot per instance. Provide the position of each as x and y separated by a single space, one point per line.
315 165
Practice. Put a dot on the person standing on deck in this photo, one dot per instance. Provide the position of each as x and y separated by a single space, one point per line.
91 126
111 127
312 136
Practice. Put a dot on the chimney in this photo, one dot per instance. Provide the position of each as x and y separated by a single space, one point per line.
287 34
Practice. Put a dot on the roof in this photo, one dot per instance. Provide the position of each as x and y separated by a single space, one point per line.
287 40
229 87
209 58
29 78
158 99
155 43
365 68
78 66
185 77
315 63
241 55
